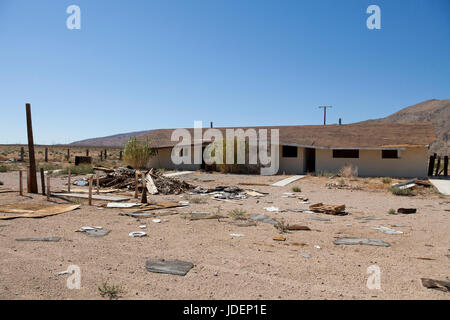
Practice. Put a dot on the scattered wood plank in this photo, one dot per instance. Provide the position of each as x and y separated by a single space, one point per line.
94 197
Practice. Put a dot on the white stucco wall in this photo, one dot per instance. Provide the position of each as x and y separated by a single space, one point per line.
411 163
291 165
163 160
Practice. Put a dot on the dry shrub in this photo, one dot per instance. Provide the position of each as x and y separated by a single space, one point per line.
137 153
349 171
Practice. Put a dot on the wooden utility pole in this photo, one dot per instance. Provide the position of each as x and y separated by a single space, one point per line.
325 113
32 174
46 155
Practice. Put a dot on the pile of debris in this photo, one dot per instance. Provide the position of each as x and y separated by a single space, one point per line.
223 192
343 186
328 209
409 184
124 178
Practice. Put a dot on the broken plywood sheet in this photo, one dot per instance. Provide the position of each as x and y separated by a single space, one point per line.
353 241
175 267
26 210
94 196
287 181
151 188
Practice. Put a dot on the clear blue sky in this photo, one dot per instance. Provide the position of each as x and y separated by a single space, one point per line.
139 65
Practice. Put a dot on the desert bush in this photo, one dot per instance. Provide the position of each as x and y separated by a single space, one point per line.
282 227
235 167
3 169
348 171
392 211
138 153
1 183
387 180
296 189
238 214
112 292
324 173
401 192
198 200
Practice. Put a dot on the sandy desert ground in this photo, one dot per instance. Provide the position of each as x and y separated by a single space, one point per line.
253 266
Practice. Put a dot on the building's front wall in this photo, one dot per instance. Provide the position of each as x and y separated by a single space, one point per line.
164 160
411 163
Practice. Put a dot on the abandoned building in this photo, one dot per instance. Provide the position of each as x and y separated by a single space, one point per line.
376 150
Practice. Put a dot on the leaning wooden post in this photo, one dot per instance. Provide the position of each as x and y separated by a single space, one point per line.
144 190
46 155
48 188
446 166
68 179
91 178
43 181
136 187
33 178
20 183
438 165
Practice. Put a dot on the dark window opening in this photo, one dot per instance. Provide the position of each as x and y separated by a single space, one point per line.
345 153
289 152
389 154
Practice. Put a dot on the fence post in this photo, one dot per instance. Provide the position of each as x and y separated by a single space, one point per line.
43 181
438 165
431 166
46 155
446 166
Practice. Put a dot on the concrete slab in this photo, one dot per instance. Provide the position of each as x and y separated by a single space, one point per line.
286 181
443 185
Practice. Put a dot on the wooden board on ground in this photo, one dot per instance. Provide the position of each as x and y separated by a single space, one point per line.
25 210
6 191
155 206
287 181
79 190
94 197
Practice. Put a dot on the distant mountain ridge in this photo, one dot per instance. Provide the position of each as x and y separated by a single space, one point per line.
435 111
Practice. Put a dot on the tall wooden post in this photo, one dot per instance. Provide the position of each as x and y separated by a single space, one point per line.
97 182
144 190
446 166
46 155
106 154
136 187
33 178
43 181
48 188
438 165
101 155
68 180
87 152
68 155
120 155
20 183
91 178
